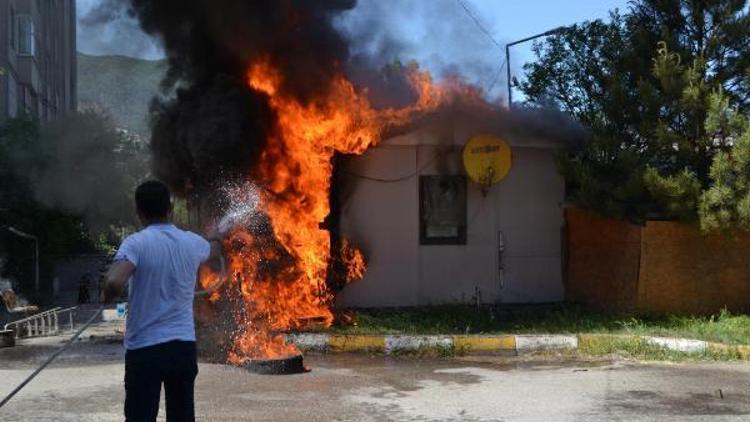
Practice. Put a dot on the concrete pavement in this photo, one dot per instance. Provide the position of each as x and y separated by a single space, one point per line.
86 385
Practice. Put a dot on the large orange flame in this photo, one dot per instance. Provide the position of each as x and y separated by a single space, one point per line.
295 172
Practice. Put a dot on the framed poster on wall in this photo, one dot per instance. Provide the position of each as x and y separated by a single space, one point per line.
442 210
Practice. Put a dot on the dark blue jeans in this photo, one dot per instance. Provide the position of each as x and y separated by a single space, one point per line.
175 364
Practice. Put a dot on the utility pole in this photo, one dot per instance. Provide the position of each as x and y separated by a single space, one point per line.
507 57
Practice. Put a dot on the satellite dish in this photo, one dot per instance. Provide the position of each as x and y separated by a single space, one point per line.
487 160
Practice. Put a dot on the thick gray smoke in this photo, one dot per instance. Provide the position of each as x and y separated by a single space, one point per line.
438 34
83 165
93 169
105 27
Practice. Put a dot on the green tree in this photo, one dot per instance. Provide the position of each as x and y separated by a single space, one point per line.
642 84
725 205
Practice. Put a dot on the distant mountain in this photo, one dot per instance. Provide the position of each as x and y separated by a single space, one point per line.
122 86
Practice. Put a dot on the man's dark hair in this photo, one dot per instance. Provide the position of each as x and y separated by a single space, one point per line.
153 200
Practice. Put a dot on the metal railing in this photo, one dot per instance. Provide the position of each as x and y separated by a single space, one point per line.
45 323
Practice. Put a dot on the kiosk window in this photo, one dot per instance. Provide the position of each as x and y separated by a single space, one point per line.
442 210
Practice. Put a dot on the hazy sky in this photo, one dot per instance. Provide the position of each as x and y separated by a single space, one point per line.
439 34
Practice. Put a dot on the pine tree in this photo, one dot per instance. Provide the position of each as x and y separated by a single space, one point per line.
725 205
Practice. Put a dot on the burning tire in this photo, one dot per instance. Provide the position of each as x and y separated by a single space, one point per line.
285 365
7 338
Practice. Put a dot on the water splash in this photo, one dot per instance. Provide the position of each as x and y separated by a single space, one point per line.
243 208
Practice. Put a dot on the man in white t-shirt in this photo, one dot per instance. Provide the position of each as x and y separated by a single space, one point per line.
161 264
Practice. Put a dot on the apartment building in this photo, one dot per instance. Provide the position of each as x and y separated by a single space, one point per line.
38 58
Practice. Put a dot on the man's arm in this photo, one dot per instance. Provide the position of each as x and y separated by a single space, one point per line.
117 278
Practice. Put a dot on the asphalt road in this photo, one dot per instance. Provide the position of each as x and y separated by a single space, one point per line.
86 385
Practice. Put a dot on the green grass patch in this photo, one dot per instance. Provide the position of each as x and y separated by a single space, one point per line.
639 348
564 319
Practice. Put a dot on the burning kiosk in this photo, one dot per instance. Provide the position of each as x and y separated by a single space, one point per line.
428 234
433 236
284 265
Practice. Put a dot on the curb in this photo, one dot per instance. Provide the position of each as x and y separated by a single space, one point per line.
513 345
395 344
516 345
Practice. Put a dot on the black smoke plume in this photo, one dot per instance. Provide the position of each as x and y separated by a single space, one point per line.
215 125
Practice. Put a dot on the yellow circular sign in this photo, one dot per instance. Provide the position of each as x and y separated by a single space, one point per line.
487 159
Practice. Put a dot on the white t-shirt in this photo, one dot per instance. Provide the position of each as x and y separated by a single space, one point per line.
161 290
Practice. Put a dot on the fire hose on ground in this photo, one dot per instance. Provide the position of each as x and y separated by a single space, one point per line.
52 357
73 339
